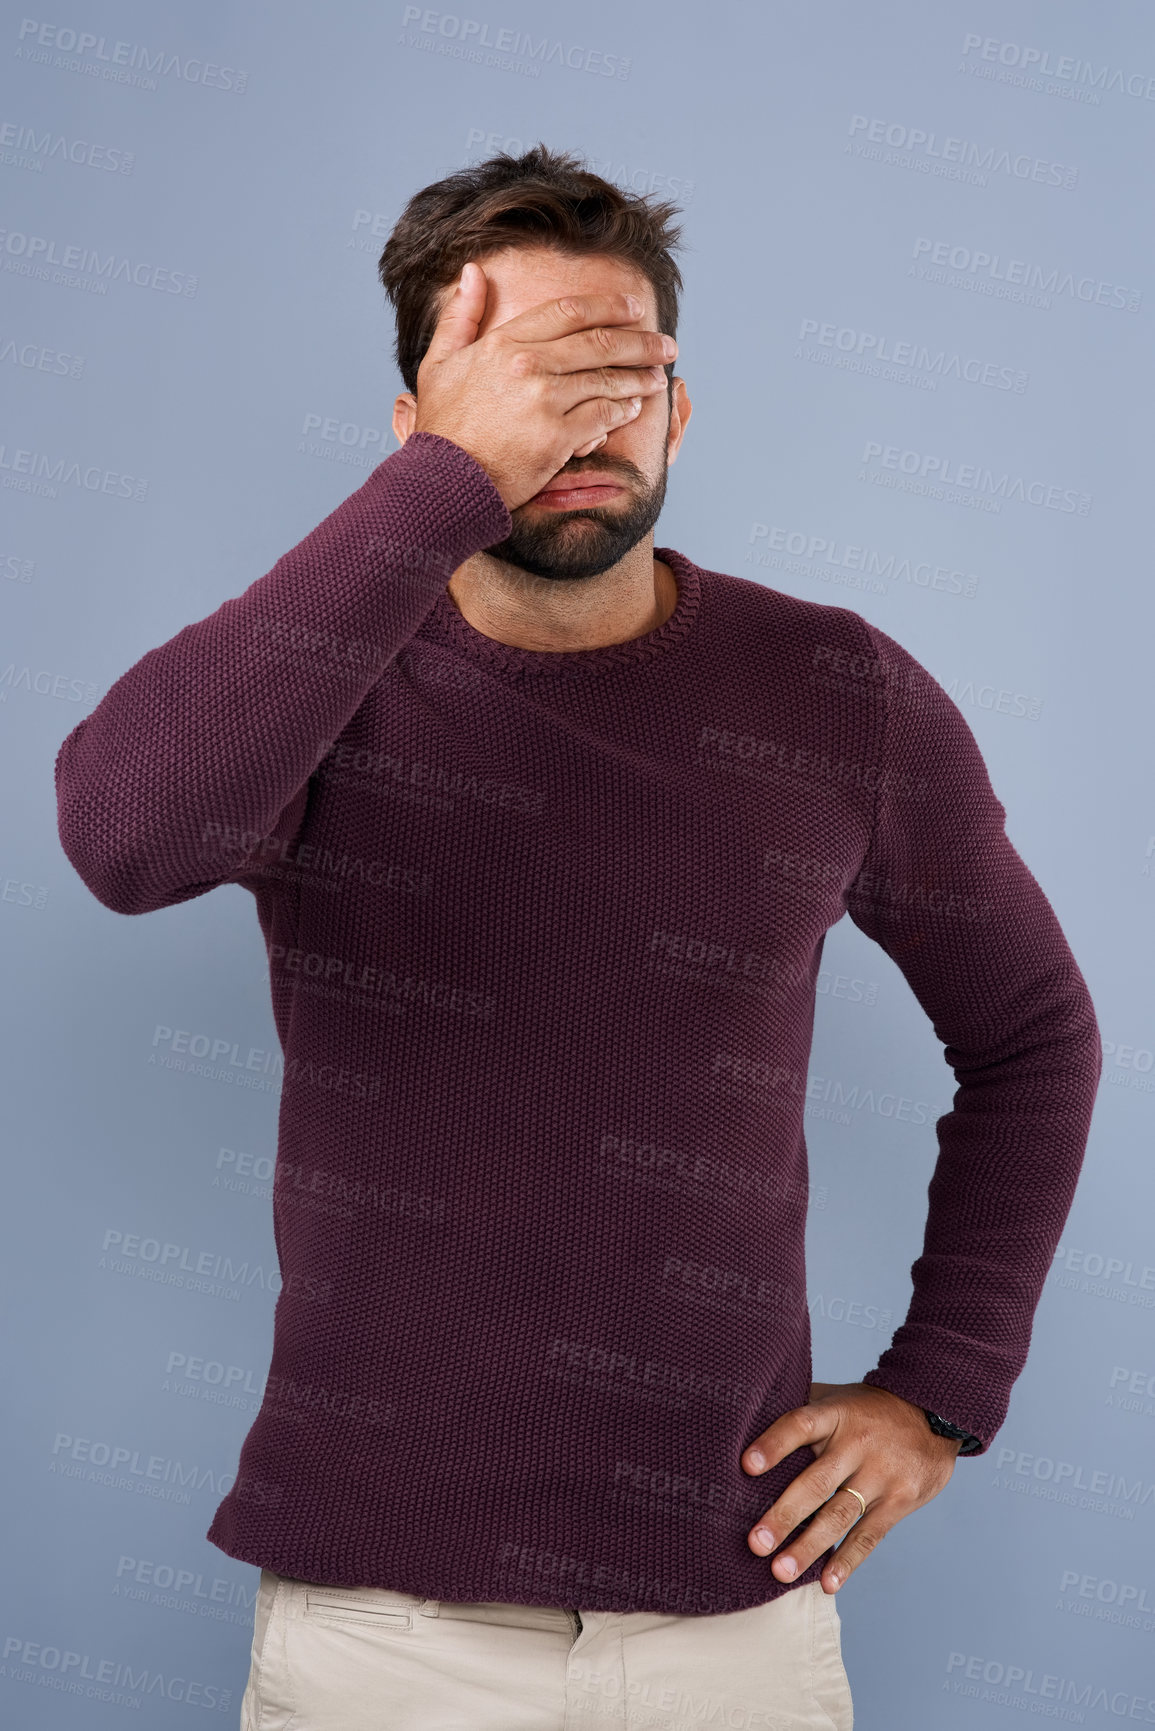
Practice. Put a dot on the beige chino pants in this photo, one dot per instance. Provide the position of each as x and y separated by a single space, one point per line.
370 1659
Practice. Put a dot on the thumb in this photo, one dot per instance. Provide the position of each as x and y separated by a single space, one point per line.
462 314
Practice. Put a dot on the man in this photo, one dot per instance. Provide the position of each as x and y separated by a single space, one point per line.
546 828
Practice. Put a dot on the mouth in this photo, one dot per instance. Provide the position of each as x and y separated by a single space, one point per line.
570 496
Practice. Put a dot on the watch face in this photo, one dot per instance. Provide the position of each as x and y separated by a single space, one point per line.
943 1427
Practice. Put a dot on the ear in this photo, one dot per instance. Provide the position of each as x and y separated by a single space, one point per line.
404 415
680 411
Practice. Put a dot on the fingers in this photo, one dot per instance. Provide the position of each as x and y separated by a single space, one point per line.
570 389
858 1544
605 400
603 346
539 387
798 1428
864 1440
597 418
558 318
840 1518
814 1492
584 450
832 1514
461 314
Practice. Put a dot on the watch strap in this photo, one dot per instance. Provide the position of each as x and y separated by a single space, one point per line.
971 1445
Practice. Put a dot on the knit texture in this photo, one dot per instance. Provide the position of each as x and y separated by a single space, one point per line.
544 932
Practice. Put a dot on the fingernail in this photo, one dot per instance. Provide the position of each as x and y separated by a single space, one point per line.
788 1565
757 1461
765 1537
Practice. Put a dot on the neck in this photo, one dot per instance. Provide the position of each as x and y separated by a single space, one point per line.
631 599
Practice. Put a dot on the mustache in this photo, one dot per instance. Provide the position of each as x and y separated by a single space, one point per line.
597 461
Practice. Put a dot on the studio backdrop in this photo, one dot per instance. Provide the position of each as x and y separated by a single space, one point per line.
917 335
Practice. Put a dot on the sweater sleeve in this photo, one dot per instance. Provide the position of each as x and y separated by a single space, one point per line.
207 744
945 894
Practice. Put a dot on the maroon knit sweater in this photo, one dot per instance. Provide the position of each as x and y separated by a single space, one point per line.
543 933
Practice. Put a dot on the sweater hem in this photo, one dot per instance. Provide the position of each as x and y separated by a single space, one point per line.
479 1590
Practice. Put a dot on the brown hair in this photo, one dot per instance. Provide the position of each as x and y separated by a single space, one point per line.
542 198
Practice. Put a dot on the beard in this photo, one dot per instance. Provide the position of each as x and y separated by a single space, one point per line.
565 545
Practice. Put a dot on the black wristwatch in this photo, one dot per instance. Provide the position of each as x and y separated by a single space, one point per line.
943 1427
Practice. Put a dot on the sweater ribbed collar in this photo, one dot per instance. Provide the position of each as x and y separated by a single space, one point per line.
446 624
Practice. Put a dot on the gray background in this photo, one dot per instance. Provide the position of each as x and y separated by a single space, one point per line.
215 376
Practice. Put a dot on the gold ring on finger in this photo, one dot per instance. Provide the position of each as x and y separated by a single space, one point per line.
860 1497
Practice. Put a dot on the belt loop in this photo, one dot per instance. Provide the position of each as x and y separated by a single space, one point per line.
430 1608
